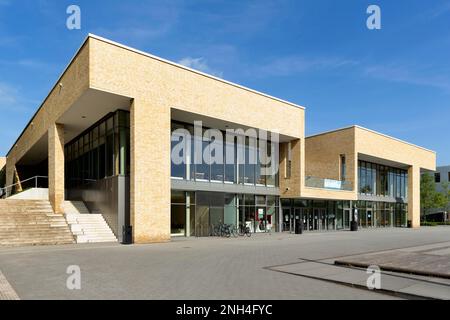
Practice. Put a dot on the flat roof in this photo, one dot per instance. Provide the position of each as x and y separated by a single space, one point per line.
192 70
371 131
93 36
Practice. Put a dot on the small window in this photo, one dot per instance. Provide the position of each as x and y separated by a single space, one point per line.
437 177
343 167
289 161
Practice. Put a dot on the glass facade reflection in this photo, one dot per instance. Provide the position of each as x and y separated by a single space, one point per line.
382 214
322 215
99 152
230 168
196 213
379 180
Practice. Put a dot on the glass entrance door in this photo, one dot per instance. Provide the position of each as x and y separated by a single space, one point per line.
310 220
287 220
261 220
202 228
369 218
316 220
304 217
347 218
297 217
323 219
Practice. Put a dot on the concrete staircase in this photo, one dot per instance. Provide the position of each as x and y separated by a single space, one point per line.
32 222
87 227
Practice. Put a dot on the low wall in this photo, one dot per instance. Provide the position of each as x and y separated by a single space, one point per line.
32 194
110 197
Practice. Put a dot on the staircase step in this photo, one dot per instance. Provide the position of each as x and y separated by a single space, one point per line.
87 227
32 222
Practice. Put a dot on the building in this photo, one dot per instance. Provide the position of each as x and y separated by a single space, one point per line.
441 179
441 176
2 173
136 137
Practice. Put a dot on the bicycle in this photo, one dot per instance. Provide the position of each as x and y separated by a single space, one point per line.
215 230
244 231
234 231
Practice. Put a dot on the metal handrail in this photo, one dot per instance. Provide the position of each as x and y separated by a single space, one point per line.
4 191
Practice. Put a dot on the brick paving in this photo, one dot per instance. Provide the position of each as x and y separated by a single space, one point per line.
431 262
6 291
202 268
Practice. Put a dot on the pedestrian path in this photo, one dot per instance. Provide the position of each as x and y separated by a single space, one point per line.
6 291
421 272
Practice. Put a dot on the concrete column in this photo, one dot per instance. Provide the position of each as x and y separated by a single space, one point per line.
56 167
10 173
414 196
150 171
2 162
10 169
188 214
292 187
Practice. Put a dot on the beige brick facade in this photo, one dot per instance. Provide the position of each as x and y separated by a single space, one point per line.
56 167
323 153
2 162
155 88
322 160
291 186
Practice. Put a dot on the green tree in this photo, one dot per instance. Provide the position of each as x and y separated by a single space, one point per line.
446 193
429 197
440 200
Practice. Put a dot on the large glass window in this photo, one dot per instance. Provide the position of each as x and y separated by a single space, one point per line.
230 216
178 213
272 213
244 158
217 156
178 160
382 180
99 152
260 178
259 213
230 160
271 168
250 160
202 167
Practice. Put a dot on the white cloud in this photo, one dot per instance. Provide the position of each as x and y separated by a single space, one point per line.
200 64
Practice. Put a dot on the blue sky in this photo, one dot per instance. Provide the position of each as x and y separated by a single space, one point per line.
318 54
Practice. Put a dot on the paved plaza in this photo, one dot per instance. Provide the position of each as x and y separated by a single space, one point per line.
210 268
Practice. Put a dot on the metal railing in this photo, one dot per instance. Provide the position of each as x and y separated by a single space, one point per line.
33 182
330 184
